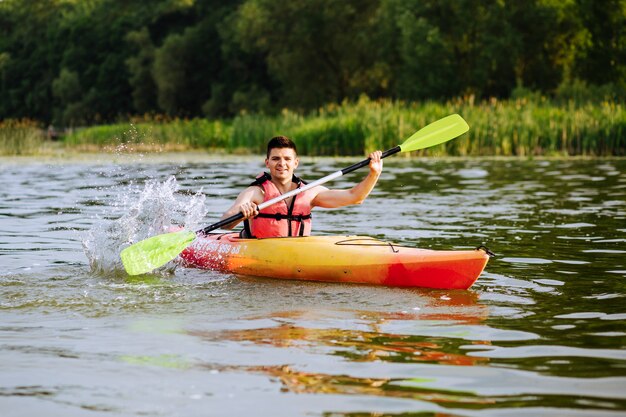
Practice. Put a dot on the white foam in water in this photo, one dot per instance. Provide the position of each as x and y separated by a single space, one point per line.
142 214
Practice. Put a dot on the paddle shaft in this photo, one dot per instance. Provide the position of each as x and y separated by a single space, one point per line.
297 191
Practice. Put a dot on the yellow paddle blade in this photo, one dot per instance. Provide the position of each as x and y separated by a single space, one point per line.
435 133
156 251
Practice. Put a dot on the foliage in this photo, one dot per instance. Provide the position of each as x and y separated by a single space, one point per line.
20 137
519 127
139 67
77 63
153 132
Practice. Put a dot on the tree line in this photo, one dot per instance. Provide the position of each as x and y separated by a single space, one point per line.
97 61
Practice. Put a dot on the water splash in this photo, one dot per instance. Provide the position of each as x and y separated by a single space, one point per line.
146 212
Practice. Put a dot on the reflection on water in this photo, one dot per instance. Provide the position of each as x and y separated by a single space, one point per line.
541 333
368 343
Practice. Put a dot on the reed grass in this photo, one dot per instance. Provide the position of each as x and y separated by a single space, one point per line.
20 137
522 127
155 133
497 128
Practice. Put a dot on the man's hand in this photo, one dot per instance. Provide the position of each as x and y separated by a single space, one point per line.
249 210
376 162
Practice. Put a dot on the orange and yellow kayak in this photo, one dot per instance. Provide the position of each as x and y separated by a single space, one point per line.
347 259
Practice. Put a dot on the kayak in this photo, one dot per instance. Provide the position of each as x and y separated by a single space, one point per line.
344 259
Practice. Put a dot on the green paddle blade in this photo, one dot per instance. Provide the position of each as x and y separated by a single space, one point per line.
435 133
151 253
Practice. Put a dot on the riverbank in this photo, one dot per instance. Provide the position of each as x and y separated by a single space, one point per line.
520 127
204 157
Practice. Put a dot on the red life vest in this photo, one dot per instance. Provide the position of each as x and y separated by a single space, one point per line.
280 220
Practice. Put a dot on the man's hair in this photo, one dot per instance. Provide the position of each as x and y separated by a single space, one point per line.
280 142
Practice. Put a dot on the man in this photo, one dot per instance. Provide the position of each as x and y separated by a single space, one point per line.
292 217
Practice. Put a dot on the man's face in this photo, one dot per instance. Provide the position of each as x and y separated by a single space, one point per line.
281 163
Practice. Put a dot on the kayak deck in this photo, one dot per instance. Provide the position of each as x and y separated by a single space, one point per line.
346 259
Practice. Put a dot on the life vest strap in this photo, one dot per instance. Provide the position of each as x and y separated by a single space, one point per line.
267 177
247 232
290 217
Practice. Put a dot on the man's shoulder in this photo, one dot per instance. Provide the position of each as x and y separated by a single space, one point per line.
257 188
253 190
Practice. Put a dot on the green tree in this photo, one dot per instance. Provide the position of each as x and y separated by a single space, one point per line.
5 59
602 58
317 51
243 83
450 47
140 71
188 66
66 87
27 76
219 58
71 101
181 90
545 31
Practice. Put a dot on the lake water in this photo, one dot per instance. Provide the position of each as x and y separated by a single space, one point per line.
541 333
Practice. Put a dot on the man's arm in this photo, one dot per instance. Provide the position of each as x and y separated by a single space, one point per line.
246 203
356 195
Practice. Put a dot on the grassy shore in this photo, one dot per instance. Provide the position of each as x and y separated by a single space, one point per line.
20 137
497 128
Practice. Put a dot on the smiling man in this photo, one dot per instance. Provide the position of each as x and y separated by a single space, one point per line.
292 217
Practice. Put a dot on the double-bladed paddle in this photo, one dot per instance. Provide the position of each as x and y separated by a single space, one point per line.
156 251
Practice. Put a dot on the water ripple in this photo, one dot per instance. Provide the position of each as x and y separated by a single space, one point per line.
540 333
